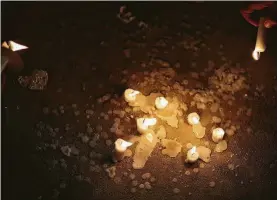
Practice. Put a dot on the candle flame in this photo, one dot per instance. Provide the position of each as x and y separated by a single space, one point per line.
16 47
149 137
134 93
121 144
256 55
219 132
161 102
193 118
149 121
193 150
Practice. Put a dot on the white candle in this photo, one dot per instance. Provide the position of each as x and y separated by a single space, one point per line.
217 134
130 95
161 103
144 123
260 41
192 155
120 148
193 118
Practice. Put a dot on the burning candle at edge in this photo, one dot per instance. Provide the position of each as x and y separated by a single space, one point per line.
120 148
13 46
260 41
130 95
144 123
192 155
193 118
218 134
161 103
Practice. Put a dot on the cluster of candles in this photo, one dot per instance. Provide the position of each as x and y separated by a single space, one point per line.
143 125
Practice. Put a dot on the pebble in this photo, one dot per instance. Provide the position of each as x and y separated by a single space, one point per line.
77 112
85 139
152 179
212 184
202 165
134 183
231 166
111 171
109 142
147 185
195 170
141 186
117 180
146 176
132 176
133 190
89 130
176 190
174 180
187 173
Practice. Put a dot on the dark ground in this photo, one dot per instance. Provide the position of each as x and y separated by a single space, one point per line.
64 39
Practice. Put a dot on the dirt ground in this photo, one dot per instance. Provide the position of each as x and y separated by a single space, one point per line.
81 46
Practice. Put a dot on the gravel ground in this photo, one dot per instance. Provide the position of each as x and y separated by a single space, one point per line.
91 57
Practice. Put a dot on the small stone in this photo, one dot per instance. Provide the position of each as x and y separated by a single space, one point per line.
141 186
132 176
230 132
111 171
146 176
147 185
152 179
174 180
134 183
221 146
133 190
231 166
212 184
89 130
109 142
62 185
196 170
201 165
77 113
85 139
104 135
125 173
187 173
176 190
117 180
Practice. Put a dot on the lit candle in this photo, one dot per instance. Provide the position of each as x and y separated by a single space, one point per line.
130 95
161 103
120 148
218 134
193 118
192 155
144 123
260 41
